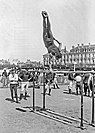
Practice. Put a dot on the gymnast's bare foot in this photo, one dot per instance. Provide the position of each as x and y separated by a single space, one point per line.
44 14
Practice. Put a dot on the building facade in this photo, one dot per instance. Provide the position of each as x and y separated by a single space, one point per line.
82 55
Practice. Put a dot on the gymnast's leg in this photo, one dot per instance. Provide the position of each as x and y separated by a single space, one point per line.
46 25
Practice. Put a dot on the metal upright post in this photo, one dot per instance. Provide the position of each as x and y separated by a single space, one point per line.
44 85
33 92
81 124
81 106
92 121
43 90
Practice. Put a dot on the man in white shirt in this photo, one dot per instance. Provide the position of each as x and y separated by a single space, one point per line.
71 79
55 81
90 82
78 79
13 78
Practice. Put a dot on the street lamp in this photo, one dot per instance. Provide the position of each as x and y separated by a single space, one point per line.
74 65
93 62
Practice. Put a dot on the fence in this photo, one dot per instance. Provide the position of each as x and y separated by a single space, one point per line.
62 79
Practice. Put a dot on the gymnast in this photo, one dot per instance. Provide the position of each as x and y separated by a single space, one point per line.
48 38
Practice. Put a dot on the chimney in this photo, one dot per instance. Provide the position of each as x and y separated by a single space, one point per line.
78 45
72 47
82 44
65 49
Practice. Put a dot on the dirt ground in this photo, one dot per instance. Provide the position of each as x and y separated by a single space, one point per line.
13 120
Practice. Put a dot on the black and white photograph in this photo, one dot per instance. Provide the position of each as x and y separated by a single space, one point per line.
47 66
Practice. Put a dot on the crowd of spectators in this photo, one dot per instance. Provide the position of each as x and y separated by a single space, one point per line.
22 78
81 80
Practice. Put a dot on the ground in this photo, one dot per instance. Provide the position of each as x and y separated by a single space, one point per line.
13 120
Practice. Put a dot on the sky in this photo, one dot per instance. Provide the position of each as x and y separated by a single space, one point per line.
21 26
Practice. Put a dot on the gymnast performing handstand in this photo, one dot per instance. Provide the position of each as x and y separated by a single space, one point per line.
48 38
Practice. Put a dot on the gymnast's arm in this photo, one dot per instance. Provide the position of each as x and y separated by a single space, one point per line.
48 23
60 44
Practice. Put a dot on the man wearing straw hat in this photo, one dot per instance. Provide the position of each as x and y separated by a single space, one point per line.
13 78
